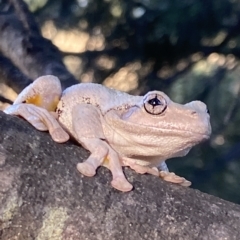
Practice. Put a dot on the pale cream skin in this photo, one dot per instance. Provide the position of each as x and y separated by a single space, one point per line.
117 128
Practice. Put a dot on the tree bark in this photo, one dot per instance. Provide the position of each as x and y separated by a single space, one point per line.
43 196
12 76
28 52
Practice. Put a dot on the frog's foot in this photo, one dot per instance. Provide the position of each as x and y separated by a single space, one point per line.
173 178
144 169
87 168
58 134
121 184
40 118
103 154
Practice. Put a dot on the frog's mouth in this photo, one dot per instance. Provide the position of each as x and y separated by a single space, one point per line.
143 136
191 136
202 131
187 133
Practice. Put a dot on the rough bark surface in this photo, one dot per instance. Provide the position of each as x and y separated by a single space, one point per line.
24 53
43 196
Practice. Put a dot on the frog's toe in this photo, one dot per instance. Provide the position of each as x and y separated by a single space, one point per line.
173 178
39 125
121 184
59 135
142 169
185 183
86 169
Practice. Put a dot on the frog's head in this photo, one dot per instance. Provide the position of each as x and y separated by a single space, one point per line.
166 124
163 113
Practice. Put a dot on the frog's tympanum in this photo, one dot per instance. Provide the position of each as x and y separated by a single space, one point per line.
117 128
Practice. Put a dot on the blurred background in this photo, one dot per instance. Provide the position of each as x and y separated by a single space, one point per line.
189 49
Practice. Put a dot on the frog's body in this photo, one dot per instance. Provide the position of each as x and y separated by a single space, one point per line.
117 128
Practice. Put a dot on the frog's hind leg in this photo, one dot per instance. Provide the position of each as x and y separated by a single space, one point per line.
37 103
172 177
40 118
87 126
44 92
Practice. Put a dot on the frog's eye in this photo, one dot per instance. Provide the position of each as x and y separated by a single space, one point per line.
155 104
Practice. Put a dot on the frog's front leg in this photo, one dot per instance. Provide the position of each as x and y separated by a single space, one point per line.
40 118
172 177
163 173
87 127
140 168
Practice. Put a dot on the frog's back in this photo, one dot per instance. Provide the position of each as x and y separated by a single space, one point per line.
95 94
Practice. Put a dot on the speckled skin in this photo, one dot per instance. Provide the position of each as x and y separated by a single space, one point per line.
117 128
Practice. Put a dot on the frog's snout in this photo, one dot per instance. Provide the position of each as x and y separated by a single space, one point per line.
198 106
200 118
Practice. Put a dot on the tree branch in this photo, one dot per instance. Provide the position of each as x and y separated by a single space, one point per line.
27 49
24 15
12 76
43 196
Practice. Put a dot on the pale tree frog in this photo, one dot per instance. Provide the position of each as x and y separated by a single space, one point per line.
117 128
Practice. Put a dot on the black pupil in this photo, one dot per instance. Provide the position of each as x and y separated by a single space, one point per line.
154 102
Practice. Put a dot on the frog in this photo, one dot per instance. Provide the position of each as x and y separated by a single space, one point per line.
118 129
